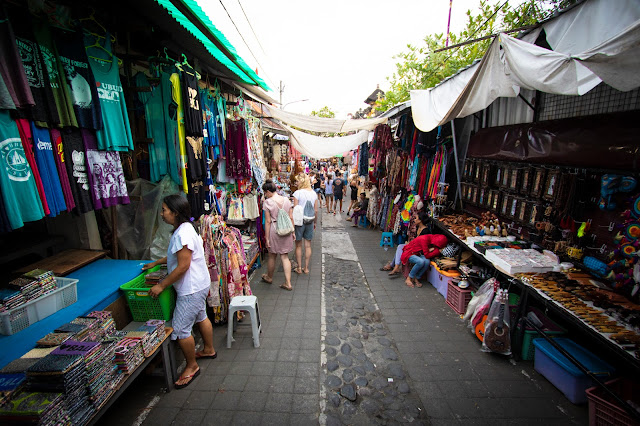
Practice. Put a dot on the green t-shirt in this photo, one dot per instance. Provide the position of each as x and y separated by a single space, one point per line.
19 192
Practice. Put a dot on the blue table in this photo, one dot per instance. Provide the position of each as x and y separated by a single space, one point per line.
98 286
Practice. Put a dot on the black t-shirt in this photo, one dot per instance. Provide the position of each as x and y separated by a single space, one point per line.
196 157
84 92
338 186
76 163
192 105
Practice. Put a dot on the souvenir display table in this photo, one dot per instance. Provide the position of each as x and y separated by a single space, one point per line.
588 319
98 286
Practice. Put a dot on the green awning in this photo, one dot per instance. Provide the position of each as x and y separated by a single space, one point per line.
208 44
204 19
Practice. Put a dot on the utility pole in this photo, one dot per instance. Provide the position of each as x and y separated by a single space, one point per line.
449 23
281 90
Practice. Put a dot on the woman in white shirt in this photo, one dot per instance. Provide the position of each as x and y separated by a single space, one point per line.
189 276
305 231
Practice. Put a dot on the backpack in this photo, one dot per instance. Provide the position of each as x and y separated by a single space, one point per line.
284 226
309 214
298 215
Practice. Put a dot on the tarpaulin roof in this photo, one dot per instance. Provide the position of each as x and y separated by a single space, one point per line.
592 42
321 124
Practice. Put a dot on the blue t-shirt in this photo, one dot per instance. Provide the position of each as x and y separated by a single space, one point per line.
43 151
19 192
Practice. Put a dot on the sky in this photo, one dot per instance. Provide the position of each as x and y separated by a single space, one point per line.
330 53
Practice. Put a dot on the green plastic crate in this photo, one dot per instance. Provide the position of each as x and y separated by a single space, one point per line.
144 307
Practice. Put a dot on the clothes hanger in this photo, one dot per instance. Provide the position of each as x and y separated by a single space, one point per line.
99 46
186 62
92 19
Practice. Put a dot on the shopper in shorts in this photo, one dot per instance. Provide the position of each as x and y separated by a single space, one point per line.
328 192
305 231
190 278
339 188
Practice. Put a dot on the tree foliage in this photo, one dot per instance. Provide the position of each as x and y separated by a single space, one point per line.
324 112
419 67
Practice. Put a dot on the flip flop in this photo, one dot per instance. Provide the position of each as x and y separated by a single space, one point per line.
409 285
385 268
200 356
305 271
285 287
263 278
190 376
418 284
297 271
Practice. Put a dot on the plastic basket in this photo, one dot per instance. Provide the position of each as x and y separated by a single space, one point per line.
458 298
144 307
16 319
548 326
603 410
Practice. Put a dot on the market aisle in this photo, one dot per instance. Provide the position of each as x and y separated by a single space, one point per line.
363 379
456 382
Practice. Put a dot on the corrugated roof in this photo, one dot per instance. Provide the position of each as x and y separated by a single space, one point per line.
204 18
208 44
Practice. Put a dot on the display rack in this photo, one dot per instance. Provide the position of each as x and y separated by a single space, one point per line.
529 293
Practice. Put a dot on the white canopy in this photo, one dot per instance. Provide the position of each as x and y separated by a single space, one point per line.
323 125
501 73
325 147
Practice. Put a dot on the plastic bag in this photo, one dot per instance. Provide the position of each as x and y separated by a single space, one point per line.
497 336
481 297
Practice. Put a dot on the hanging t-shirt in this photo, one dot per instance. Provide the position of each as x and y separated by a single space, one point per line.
58 156
24 129
192 105
11 68
6 102
106 177
209 120
48 173
55 70
75 161
196 197
238 165
5 225
162 154
221 104
19 192
177 99
44 112
115 134
84 93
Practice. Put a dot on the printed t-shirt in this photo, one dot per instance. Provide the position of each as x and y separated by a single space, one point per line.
210 118
19 192
75 161
81 82
11 68
5 225
48 172
24 130
58 156
57 80
192 105
177 99
115 134
44 112
197 276
106 177
221 104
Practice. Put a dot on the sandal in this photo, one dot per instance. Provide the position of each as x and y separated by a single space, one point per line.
305 271
409 283
417 283
297 270
200 355
266 279
191 377
386 268
289 288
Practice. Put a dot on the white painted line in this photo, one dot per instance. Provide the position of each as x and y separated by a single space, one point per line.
322 419
146 410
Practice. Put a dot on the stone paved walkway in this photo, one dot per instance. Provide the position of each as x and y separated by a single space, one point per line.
350 346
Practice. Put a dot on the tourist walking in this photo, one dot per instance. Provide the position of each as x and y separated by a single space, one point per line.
277 245
308 200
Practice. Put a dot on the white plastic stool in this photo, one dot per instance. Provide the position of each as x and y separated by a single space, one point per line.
249 304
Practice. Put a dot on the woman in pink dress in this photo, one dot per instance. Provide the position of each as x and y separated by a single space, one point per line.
276 244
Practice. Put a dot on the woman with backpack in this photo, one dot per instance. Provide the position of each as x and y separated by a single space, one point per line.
305 197
276 209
